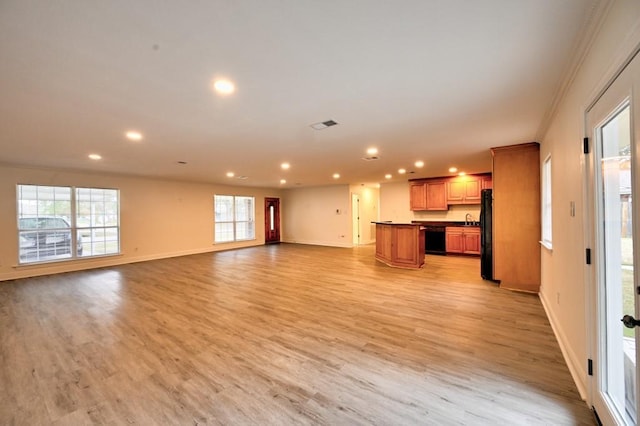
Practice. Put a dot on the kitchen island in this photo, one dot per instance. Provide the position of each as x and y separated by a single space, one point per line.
400 244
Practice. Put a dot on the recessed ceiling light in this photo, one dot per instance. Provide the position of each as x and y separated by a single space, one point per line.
402 171
461 174
388 176
336 175
230 174
285 166
224 87
283 181
133 135
419 163
95 156
453 169
372 151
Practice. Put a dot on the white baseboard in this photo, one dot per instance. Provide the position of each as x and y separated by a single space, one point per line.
319 243
576 366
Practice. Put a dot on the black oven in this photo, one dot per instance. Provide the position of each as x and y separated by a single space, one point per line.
434 239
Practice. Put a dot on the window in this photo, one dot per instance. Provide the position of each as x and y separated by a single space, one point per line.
234 218
98 221
59 222
546 202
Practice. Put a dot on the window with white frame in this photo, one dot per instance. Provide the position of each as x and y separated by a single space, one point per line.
546 203
234 218
60 222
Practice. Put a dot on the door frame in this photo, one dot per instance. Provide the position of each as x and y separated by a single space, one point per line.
355 219
272 237
615 94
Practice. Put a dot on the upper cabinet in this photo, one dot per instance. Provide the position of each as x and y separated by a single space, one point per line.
436 195
418 196
428 195
440 193
464 190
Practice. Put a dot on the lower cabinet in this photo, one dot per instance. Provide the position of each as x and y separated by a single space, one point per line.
463 239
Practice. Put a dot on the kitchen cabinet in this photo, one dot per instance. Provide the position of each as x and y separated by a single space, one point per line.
463 239
516 216
400 245
418 196
428 195
464 190
487 182
436 195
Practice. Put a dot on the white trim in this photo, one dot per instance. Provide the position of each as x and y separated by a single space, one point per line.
576 366
546 245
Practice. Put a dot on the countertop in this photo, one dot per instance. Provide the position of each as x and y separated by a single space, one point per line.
443 223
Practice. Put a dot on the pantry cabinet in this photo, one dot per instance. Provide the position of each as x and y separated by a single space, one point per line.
516 216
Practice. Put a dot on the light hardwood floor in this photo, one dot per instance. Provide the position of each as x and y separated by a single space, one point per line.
280 334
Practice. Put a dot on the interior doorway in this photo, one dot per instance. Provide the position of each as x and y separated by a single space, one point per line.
355 217
271 220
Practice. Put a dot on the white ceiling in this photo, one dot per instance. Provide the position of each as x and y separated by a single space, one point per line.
436 80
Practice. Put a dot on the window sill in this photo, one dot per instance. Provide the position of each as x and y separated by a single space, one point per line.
49 263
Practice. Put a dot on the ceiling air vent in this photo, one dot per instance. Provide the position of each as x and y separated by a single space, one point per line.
370 158
324 124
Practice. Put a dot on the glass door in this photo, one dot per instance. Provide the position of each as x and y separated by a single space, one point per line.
615 280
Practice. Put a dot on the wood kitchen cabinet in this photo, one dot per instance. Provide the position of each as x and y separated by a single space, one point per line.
516 216
428 195
418 196
435 194
400 245
463 239
487 182
464 190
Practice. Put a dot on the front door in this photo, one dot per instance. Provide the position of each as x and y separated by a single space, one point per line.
271 220
613 185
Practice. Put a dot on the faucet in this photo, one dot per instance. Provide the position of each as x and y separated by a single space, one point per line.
468 219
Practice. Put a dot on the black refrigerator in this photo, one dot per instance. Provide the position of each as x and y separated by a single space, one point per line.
486 237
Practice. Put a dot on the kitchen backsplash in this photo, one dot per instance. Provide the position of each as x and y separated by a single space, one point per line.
456 213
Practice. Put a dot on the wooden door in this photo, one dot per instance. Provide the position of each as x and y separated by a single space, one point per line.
271 220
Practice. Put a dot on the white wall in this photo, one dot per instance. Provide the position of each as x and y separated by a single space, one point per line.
317 215
564 290
394 206
158 218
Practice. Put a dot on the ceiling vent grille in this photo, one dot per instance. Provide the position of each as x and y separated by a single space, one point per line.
371 158
324 124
